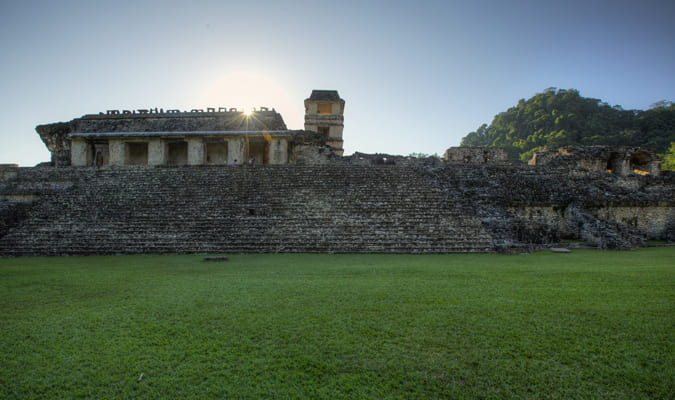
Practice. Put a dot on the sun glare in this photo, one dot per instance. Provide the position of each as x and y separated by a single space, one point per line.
247 91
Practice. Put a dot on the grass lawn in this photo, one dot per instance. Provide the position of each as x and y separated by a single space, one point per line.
589 324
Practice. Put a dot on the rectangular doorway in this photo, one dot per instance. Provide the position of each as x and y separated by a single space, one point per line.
216 153
178 153
136 153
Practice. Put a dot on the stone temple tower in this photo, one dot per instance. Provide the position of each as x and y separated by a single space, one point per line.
324 113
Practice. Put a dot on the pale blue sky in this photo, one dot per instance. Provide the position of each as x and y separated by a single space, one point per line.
417 76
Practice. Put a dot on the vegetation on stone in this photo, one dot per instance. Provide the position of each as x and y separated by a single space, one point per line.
559 117
590 324
669 158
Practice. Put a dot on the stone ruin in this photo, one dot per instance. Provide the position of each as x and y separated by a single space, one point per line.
619 160
173 138
476 155
308 198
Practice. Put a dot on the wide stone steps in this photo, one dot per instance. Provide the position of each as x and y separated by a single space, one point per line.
248 210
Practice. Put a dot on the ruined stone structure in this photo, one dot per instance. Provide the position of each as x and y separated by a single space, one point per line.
324 110
618 160
174 194
419 207
158 137
476 155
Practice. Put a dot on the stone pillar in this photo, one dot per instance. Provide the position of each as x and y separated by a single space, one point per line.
278 152
117 152
80 153
157 152
654 168
196 154
235 151
623 168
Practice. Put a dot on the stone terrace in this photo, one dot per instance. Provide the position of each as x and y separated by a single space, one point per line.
416 207
215 209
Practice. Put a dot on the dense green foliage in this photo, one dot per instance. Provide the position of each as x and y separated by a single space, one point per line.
669 158
589 324
558 118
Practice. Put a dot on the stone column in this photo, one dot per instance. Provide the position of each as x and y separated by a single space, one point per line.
654 168
278 152
157 152
235 151
623 168
196 153
80 153
117 152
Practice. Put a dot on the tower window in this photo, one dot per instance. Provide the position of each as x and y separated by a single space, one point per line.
324 109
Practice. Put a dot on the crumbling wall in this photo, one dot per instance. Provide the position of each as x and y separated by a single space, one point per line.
55 137
308 148
619 160
525 207
476 155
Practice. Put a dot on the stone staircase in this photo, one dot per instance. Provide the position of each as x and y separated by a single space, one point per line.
261 209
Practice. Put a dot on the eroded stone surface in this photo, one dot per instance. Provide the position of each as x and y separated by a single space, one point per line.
417 206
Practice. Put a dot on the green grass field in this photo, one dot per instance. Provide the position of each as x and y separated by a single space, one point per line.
590 324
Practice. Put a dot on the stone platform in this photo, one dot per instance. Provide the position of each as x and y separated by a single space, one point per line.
332 208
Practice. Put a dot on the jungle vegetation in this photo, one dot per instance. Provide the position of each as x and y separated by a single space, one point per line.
562 117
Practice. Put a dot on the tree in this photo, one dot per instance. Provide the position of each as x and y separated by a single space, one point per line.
661 104
559 117
669 158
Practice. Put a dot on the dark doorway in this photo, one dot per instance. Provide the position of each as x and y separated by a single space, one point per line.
178 153
137 153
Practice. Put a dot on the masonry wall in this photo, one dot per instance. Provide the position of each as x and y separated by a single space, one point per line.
335 207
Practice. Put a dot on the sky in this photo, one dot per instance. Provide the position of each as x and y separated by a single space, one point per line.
416 76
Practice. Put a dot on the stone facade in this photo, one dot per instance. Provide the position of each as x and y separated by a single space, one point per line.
169 137
619 160
475 155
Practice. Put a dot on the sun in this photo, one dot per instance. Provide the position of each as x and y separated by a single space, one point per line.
248 91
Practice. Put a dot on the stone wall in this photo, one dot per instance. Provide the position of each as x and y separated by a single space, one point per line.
476 155
55 137
183 121
619 160
416 206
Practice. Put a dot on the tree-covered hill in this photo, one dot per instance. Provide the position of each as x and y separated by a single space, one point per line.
559 117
